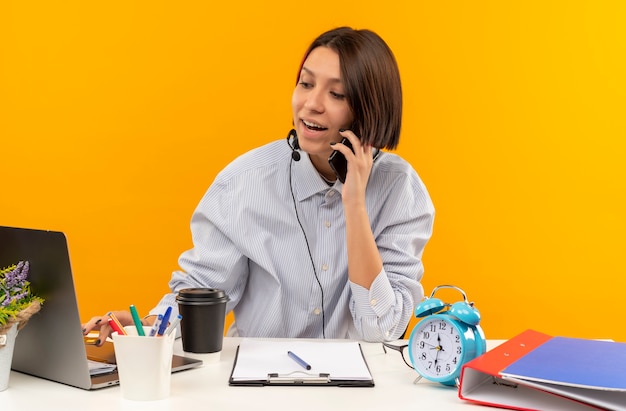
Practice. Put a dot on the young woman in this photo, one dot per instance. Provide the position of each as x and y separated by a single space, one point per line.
299 252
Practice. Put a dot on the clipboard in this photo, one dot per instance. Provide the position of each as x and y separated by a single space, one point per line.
266 363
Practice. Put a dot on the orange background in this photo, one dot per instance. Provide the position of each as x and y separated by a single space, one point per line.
116 116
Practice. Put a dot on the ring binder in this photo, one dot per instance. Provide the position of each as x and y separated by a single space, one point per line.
535 371
297 378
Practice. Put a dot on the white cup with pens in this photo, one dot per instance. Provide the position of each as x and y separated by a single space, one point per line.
144 358
144 364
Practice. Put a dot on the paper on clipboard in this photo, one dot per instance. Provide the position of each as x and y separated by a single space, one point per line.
342 361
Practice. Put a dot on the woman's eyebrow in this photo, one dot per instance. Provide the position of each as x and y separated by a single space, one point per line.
310 72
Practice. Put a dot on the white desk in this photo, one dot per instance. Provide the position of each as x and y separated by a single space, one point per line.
207 388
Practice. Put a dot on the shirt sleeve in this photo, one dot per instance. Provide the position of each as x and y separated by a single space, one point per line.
214 261
382 313
401 229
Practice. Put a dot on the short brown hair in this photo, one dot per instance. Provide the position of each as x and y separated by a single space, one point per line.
371 81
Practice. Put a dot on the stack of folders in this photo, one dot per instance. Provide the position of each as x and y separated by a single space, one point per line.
535 371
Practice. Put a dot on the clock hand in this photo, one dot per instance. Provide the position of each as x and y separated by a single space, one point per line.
439 347
431 345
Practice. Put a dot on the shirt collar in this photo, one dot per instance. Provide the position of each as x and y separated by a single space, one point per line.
307 181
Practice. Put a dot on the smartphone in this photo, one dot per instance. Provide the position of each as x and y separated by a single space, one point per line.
338 161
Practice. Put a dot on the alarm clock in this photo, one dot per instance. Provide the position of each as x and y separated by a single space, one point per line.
447 336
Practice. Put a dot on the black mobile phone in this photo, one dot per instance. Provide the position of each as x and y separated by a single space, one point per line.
338 161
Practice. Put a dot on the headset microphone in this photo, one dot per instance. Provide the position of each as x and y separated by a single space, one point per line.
294 153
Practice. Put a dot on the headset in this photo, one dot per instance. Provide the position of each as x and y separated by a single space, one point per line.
295 156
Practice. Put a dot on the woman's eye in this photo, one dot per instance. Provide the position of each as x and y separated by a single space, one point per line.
304 84
337 95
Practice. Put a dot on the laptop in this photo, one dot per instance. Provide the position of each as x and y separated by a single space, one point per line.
52 345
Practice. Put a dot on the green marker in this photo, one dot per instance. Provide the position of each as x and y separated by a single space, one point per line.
137 320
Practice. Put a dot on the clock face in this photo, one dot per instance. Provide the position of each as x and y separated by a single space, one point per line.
437 348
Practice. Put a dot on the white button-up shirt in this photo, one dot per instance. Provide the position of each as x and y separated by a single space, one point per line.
281 270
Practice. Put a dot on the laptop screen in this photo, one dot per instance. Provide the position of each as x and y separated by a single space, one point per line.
52 345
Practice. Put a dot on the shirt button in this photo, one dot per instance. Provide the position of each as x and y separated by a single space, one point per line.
317 311
325 267
331 193
327 224
374 302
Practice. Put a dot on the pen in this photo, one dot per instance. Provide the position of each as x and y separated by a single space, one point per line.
156 325
173 325
137 321
115 324
298 360
165 321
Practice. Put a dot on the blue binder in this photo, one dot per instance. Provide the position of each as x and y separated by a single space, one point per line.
574 362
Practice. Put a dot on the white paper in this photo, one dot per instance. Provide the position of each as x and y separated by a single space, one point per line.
258 358
97 367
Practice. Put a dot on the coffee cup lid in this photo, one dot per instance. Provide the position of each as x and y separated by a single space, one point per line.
201 294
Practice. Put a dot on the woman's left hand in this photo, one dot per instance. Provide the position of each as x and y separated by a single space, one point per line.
359 167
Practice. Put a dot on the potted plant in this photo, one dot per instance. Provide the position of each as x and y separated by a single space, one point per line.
17 305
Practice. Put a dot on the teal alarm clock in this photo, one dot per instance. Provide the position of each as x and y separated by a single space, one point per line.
447 336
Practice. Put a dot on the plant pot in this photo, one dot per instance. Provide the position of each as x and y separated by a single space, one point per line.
7 343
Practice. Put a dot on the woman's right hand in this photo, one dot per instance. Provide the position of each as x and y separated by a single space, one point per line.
101 324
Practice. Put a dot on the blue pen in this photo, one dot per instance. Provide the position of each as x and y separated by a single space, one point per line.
156 325
165 322
299 360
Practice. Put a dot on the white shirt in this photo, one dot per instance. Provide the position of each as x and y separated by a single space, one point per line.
248 242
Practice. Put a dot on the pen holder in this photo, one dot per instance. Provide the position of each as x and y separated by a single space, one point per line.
144 364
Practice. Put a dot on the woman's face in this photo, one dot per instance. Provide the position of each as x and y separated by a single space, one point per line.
319 105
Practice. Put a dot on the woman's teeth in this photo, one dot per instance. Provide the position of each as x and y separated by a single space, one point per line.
313 126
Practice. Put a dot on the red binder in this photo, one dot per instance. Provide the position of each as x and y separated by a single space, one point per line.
535 371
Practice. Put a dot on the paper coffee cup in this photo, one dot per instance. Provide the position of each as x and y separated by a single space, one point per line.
202 325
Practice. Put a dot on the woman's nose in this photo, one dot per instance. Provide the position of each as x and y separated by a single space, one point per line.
315 101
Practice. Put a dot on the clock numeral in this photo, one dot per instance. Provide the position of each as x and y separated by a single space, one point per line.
426 335
443 325
422 345
458 349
